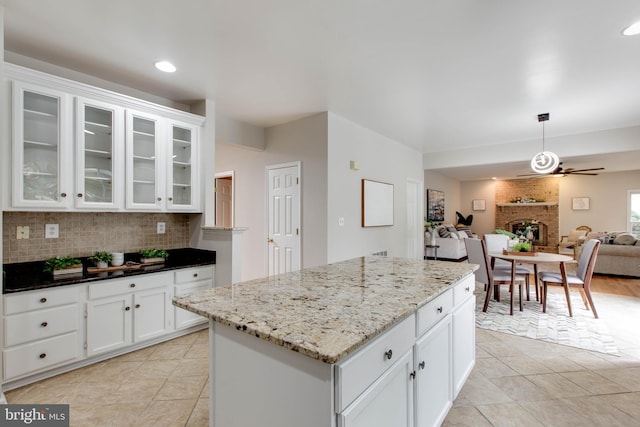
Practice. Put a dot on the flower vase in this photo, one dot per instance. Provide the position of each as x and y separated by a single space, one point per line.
433 238
530 236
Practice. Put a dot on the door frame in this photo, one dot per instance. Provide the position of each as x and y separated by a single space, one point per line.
225 174
418 226
297 164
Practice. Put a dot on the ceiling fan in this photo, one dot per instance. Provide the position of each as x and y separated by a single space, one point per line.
568 171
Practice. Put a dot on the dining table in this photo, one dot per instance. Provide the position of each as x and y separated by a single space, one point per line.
536 258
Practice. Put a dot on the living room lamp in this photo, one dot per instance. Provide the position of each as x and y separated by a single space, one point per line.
545 161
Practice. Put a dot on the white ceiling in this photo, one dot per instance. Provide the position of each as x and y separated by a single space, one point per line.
436 75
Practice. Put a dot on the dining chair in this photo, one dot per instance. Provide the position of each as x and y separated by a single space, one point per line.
581 279
477 254
498 242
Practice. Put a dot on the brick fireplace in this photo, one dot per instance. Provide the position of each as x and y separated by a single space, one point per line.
512 215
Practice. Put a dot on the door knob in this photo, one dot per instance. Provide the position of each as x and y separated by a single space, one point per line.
269 240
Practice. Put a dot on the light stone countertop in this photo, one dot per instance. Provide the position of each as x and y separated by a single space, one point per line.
330 311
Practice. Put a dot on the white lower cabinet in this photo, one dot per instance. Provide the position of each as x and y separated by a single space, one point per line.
121 312
433 374
464 343
387 402
188 281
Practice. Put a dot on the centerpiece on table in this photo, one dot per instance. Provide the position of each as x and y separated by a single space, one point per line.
522 248
101 259
153 256
63 265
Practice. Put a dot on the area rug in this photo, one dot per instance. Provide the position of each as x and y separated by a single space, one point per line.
555 326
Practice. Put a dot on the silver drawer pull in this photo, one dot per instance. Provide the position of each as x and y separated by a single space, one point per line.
439 309
44 324
388 354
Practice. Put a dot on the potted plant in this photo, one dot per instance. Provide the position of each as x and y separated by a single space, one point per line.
62 265
101 259
153 255
522 247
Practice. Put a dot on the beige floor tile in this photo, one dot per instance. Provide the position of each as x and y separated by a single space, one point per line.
198 351
191 367
499 349
202 337
520 388
555 413
559 363
135 356
525 365
629 403
120 415
556 385
200 415
101 393
157 368
481 354
138 390
478 390
600 412
113 371
594 383
626 377
181 388
184 340
169 352
205 390
508 414
39 393
465 416
494 367
167 413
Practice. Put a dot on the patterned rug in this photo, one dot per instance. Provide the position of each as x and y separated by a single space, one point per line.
582 330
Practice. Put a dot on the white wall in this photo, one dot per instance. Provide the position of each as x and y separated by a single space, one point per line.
301 140
608 194
451 187
483 221
380 159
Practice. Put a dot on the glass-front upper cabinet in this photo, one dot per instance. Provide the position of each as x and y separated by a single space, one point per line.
42 161
182 190
99 155
144 155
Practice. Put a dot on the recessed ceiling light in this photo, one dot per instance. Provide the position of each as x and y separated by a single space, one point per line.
165 66
632 29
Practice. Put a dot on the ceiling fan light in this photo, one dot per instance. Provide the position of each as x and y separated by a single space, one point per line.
545 162
632 29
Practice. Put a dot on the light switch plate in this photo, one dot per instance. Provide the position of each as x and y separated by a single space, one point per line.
22 232
161 227
51 231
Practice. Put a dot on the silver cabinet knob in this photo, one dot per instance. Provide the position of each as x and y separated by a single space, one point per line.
388 354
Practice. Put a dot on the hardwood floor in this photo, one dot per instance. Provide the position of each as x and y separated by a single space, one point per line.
616 285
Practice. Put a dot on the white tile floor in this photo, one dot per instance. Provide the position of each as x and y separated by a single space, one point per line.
516 382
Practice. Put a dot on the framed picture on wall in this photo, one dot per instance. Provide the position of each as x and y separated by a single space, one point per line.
580 203
435 205
479 205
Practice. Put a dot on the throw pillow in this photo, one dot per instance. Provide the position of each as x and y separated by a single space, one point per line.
443 232
453 235
624 239
465 228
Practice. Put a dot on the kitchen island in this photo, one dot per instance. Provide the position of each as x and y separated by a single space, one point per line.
341 344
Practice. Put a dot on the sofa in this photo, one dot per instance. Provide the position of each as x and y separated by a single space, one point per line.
450 241
619 253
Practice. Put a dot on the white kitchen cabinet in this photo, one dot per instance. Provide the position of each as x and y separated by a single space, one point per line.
463 334
42 147
42 329
187 281
125 311
144 160
182 168
387 402
99 155
433 374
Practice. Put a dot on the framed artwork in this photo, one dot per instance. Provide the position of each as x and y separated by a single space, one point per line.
479 205
580 203
377 203
435 205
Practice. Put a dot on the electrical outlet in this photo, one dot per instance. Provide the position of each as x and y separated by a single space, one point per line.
161 227
22 232
51 231
341 221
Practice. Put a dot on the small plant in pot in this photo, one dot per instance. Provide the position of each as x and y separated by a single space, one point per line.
62 265
101 259
522 247
153 255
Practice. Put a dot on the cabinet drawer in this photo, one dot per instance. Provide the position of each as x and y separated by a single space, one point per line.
362 368
193 274
433 311
39 324
108 288
46 298
463 290
40 355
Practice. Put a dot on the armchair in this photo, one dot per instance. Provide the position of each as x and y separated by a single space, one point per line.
568 244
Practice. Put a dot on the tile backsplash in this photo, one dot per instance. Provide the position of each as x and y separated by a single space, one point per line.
81 234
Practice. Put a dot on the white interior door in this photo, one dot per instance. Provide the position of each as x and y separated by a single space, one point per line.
224 202
414 227
283 216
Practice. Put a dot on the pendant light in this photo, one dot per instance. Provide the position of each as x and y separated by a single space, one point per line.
545 161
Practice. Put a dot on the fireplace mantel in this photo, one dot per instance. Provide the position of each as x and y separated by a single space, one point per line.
529 204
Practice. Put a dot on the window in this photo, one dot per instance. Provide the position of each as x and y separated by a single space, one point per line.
633 215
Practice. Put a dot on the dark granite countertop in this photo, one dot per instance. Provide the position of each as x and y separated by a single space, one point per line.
27 276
